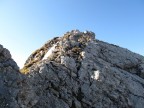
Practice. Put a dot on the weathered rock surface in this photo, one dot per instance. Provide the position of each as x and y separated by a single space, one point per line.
77 71
9 80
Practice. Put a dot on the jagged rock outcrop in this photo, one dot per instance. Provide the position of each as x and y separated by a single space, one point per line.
77 71
9 80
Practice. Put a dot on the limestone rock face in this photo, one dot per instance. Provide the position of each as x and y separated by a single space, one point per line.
9 80
78 71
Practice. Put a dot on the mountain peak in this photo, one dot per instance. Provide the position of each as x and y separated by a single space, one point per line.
74 71
70 45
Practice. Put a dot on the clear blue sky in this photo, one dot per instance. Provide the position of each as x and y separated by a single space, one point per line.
26 25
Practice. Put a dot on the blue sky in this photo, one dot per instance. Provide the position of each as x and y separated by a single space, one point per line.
26 25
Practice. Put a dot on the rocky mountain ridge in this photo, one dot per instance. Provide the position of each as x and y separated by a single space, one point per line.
74 71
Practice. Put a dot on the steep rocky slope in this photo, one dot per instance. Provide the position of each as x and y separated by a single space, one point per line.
78 71
10 79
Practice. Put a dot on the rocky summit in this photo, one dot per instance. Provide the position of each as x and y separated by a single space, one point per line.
73 71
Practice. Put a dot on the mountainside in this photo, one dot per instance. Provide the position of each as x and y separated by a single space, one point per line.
10 79
74 71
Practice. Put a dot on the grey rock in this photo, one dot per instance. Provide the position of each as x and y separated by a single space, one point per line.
81 73
6 53
1 48
90 73
10 79
69 63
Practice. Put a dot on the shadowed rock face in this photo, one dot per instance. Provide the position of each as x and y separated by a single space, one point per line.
77 71
9 80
